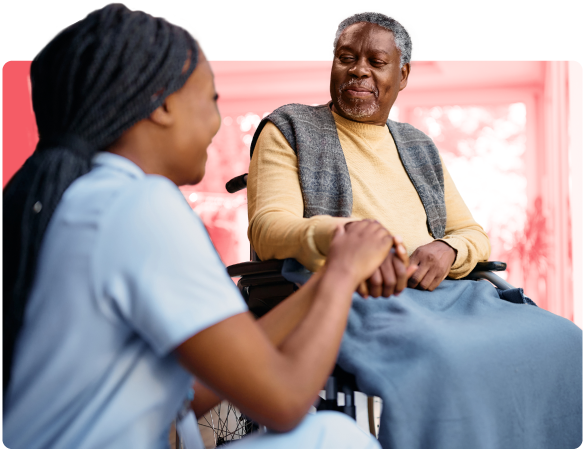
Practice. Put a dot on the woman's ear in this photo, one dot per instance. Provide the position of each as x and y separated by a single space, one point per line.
162 116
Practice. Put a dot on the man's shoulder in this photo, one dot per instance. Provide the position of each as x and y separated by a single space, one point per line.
296 120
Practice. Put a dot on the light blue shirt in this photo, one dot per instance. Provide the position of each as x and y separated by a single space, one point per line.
125 274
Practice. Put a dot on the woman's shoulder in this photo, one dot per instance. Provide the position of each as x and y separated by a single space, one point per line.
149 211
108 187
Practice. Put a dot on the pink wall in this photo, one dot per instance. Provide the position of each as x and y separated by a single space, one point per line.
575 118
19 129
501 127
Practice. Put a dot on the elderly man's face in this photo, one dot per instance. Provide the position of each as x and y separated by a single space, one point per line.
366 75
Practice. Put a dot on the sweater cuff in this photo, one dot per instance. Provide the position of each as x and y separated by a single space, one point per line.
324 229
461 266
460 250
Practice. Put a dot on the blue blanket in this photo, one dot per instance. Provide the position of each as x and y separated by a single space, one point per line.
465 366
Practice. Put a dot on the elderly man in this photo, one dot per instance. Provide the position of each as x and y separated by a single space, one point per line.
315 167
463 366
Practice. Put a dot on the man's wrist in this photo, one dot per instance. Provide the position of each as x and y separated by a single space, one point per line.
325 230
451 247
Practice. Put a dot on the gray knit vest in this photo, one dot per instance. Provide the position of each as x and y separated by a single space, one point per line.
323 173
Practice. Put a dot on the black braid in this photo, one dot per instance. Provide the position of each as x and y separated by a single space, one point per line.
91 83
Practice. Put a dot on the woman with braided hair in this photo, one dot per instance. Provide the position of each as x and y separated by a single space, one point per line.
114 296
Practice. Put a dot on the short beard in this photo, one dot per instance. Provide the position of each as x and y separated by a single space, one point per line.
357 108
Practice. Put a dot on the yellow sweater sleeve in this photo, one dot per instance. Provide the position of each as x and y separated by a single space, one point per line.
277 229
462 232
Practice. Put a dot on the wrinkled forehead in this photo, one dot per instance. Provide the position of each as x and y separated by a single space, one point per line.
369 35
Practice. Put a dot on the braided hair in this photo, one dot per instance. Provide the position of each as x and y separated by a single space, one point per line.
93 81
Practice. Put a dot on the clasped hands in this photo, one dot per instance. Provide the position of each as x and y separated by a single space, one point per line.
425 269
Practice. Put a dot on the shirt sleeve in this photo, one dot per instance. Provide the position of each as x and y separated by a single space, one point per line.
277 228
160 271
462 232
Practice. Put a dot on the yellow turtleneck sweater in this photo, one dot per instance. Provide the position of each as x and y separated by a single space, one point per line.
381 190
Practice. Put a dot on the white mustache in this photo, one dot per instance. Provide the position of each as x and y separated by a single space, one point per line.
361 83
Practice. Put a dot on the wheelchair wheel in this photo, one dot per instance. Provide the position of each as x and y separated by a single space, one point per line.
224 423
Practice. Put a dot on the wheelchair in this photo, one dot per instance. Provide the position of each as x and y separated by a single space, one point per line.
263 286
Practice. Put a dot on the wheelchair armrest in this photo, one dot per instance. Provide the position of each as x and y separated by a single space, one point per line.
497 281
262 284
494 266
263 279
255 268
484 271
275 265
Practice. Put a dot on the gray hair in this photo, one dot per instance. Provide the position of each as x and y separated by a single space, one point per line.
401 36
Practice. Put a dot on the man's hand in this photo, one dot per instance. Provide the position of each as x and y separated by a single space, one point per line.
434 262
391 276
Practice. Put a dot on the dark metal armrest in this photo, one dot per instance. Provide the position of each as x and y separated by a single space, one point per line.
262 284
255 268
499 282
484 271
237 184
494 266
263 279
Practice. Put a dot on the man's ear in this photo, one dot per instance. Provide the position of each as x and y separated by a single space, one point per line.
162 116
404 72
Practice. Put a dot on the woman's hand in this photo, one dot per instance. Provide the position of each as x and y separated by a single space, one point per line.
358 249
392 275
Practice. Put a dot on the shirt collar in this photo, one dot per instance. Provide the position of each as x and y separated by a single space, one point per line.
117 162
